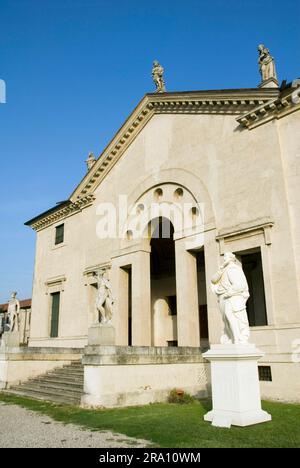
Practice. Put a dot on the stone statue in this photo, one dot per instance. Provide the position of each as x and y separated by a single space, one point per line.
230 286
13 312
90 161
158 78
104 300
266 64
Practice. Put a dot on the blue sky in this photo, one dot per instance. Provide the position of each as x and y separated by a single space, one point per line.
75 69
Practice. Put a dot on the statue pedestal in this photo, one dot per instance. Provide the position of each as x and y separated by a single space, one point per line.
101 334
235 386
10 339
270 83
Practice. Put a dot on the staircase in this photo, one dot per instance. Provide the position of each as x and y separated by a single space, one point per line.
62 385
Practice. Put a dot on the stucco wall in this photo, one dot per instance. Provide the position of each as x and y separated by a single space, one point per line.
238 170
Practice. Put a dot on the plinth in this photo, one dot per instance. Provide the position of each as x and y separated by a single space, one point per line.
10 339
235 386
270 83
101 334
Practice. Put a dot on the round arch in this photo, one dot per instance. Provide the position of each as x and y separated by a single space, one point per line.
175 194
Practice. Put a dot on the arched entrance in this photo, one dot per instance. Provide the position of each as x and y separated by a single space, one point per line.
159 270
163 283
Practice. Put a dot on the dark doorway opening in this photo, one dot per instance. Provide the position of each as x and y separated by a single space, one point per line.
256 304
163 283
162 248
203 320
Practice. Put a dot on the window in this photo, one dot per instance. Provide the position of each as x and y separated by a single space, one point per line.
264 373
55 302
256 304
59 234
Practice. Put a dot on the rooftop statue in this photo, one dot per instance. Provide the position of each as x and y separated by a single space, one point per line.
158 78
90 161
266 64
230 286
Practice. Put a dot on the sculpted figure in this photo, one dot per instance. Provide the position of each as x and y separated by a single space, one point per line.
104 300
230 286
13 312
90 161
158 78
266 64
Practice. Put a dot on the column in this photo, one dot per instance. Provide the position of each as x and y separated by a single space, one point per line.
141 299
120 287
187 296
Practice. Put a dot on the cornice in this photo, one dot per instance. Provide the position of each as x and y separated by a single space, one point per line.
55 280
273 109
61 213
261 226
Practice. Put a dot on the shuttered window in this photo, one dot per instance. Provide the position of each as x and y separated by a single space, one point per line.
59 234
55 299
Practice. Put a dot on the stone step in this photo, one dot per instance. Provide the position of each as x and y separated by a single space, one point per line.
73 366
70 378
59 380
38 396
66 372
70 368
58 391
55 386
61 385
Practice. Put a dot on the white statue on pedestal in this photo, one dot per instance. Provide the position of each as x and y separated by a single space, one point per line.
233 363
104 299
230 285
13 313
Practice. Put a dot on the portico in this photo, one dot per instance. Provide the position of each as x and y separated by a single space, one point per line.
156 270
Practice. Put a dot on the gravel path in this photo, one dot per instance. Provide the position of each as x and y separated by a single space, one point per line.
23 428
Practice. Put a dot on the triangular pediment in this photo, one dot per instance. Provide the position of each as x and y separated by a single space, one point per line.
231 102
239 102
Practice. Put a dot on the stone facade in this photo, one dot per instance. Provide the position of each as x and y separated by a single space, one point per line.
232 158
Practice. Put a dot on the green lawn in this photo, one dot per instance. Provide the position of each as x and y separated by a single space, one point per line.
170 425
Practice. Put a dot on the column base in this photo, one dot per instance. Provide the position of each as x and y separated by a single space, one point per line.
235 386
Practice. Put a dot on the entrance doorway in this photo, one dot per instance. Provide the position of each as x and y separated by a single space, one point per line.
202 299
163 286
163 283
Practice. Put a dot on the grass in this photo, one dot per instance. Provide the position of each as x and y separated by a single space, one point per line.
175 425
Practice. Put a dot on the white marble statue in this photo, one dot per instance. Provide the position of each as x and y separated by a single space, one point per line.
13 312
230 286
266 64
104 299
